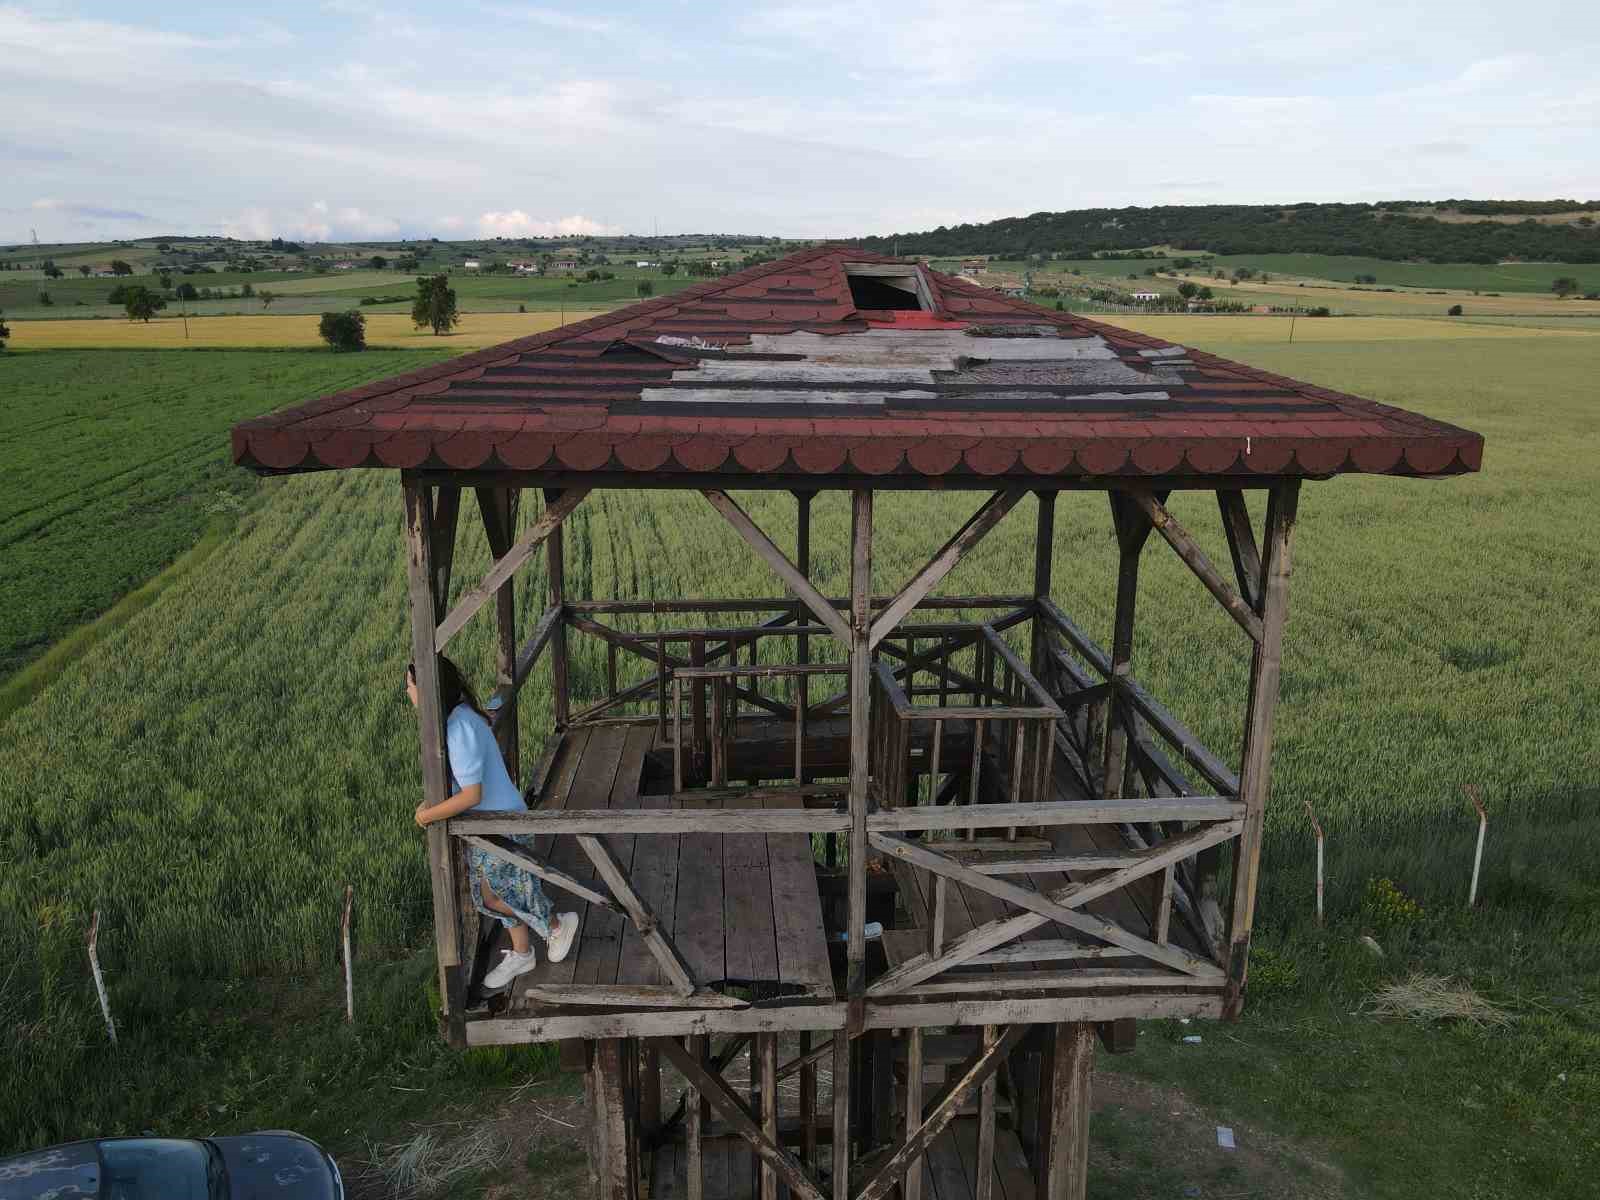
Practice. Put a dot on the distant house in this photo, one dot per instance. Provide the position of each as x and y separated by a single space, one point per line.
1146 297
1016 290
472 264
524 268
348 264
564 264
969 265
644 262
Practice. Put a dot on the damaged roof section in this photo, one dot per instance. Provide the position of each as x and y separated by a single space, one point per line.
793 369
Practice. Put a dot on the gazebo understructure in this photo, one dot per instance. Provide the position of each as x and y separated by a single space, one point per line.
759 785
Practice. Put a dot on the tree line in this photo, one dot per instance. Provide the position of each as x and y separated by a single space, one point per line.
1369 230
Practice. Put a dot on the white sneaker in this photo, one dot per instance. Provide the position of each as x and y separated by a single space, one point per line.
561 937
511 965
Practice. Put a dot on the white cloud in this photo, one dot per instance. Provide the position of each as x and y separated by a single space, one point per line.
516 223
318 222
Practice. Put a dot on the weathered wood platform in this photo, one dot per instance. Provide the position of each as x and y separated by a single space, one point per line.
743 909
1046 958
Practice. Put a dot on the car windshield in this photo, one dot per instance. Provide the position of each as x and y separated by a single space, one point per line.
155 1169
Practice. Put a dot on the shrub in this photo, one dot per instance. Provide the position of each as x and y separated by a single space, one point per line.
344 330
1453 311
646 288
1322 310
44 300
1385 905
5 331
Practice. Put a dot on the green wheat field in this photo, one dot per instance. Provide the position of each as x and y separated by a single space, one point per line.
210 772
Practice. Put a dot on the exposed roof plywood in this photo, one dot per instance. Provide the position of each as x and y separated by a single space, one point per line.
774 375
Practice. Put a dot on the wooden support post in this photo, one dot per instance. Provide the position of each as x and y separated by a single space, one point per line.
344 942
808 1103
860 692
498 507
92 942
1255 770
695 1117
1241 544
912 1189
649 1087
1063 1162
985 1163
446 514
430 723
1132 529
556 576
1043 557
841 1115
767 1044
615 1135
1477 856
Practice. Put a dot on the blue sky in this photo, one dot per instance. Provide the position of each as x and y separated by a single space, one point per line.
380 119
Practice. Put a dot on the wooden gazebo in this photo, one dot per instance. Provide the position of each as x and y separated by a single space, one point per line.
1049 849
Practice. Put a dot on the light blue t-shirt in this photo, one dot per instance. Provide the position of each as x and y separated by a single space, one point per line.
475 758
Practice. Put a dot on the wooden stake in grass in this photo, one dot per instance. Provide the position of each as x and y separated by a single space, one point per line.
344 934
1317 829
1477 857
99 979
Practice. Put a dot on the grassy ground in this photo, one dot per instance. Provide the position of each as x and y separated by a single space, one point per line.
115 464
215 801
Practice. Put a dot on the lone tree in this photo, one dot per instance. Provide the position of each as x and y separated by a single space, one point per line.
118 267
1565 286
646 288
344 330
377 262
5 331
1188 290
83 269
435 304
142 303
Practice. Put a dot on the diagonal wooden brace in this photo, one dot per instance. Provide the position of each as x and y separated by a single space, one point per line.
715 1090
952 552
1189 550
659 945
995 933
506 565
779 562
945 1106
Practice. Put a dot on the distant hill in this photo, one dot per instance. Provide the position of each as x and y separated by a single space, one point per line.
1475 231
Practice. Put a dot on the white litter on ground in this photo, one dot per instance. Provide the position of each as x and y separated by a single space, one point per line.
1225 1137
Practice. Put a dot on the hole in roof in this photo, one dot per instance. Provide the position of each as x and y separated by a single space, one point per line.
886 287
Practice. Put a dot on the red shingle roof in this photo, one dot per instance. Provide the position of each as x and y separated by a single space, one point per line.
774 371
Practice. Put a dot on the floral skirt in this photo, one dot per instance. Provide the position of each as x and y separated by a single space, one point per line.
517 889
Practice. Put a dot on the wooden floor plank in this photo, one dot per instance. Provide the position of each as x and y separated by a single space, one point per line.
945 1172
750 938
591 788
697 928
655 878
603 931
797 910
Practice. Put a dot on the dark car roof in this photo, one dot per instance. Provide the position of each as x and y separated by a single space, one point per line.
69 1172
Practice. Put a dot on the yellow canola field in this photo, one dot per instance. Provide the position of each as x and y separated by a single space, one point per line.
1262 329
383 329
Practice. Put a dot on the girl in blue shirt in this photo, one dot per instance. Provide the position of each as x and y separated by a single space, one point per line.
479 782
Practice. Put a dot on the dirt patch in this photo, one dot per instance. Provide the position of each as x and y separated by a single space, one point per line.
1147 1140
1150 1140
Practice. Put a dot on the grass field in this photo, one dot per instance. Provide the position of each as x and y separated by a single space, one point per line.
115 464
241 749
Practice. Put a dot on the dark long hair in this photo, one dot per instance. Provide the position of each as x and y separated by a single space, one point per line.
453 687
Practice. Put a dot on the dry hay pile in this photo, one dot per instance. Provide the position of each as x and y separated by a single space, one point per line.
1436 998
